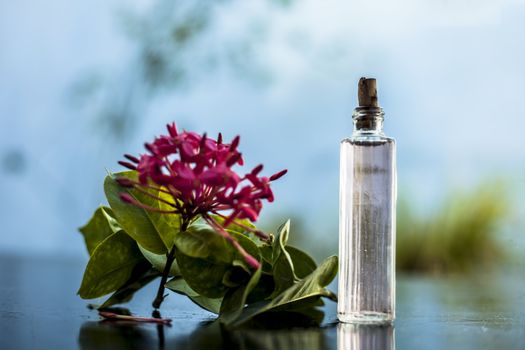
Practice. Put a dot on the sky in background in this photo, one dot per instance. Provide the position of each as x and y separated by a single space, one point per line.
451 78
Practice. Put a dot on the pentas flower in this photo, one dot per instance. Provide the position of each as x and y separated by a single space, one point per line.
196 172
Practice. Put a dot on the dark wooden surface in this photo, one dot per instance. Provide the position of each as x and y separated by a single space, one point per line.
39 309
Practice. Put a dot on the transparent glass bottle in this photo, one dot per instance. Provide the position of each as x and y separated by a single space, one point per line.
367 221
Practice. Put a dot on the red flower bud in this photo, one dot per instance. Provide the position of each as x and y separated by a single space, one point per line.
127 165
202 143
125 182
132 158
278 175
234 158
150 148
235 143
257 169
126 197
172 129
252 261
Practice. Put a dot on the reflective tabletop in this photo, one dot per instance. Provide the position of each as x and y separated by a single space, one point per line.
39 309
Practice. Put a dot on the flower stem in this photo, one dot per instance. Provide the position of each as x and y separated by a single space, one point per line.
160 293
169 261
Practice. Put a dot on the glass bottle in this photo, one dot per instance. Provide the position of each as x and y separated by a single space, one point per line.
367 216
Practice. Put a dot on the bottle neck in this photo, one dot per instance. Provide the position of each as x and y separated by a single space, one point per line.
368 121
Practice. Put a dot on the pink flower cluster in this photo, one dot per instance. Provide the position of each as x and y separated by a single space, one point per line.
196 171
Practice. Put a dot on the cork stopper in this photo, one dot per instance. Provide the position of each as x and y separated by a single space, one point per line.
367 92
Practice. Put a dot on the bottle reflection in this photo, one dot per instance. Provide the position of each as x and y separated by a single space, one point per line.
364 337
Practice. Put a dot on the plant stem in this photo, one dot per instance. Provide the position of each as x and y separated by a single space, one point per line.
169 261
160 293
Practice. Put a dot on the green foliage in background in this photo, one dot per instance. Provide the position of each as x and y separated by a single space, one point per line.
459 237
128 248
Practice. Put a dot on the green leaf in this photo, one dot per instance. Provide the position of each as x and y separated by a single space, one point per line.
110 266
267 258
236 224
263 290
235 299
302 293
249 246
235 276
291 267
141 276
213 258
241 271
100 226
167 225
280 242
283 275
201 241
159 262
303 263
239 226
289 264
180 286
203 276
267 253
137 222
283 268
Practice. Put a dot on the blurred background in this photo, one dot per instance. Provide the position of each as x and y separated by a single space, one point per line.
84 82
